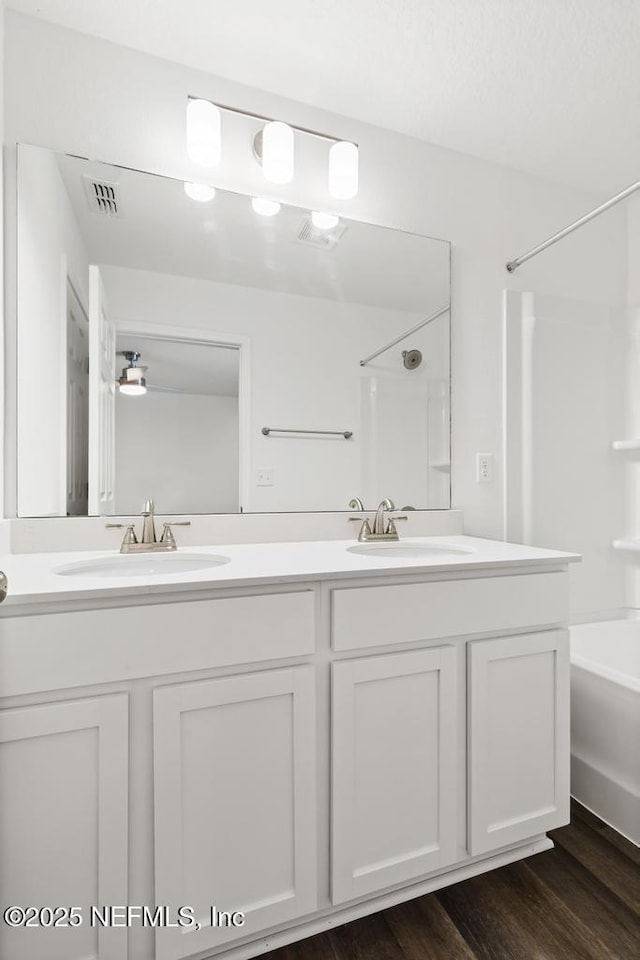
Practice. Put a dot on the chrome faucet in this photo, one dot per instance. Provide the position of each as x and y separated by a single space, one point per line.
378 522
149 542
148 523
384 528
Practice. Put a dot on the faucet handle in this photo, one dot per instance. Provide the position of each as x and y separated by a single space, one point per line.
130 535
365 529
167 533
391 528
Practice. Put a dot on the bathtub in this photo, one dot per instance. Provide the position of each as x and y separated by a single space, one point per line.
605 721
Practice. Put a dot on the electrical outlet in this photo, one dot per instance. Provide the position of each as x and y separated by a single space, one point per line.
264 477
484 467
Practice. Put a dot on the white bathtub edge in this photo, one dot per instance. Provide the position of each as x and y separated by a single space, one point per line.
597 792
614 676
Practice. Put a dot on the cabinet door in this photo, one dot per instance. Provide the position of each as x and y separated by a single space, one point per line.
63 823
519 738
235 797
394 747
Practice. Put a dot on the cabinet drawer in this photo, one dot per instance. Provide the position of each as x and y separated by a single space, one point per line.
56 651
401 613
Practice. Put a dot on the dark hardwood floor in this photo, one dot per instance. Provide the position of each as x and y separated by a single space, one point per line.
579 901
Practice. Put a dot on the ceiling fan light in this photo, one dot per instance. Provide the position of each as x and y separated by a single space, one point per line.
133 388
203 132
132 382
343 170
277 152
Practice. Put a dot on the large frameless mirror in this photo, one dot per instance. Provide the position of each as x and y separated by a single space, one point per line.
189 348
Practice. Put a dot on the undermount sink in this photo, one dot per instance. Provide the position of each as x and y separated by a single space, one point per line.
142 565
407 551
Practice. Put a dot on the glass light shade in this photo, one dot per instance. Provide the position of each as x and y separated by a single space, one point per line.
200 191
343 170
324 221
266 208
203 132
132 382
134 388
277 152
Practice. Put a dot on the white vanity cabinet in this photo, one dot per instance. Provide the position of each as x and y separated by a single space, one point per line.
518 737
300 752
394 778
64 824
235 803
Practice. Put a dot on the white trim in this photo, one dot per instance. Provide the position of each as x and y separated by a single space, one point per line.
65 286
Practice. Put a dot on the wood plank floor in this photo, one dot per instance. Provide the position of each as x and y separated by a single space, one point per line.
579 901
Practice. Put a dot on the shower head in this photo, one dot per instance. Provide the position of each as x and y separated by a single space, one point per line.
411 359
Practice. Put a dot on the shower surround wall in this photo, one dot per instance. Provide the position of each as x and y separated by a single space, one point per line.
131 111
630 426
563 403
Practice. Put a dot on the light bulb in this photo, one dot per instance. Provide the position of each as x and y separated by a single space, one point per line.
343 170
133 389
266 208
199 191
203 132
324 221
277 152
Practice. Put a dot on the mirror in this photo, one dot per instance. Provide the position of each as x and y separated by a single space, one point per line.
278 372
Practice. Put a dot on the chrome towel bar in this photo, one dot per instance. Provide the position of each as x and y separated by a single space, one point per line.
347 434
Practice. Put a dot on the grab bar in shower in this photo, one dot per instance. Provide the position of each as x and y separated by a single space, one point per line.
347 434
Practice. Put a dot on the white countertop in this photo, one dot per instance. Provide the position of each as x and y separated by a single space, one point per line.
32 578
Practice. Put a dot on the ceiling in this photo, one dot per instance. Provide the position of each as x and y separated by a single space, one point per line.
551 87
160 229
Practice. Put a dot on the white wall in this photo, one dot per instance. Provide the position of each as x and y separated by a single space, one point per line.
2 310
50 249
180 450
132 112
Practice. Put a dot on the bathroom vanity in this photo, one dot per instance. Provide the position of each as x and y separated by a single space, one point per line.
284 742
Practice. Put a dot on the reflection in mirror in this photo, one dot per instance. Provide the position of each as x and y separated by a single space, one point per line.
188 415
241 322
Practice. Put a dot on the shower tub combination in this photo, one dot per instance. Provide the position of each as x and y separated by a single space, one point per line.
605 721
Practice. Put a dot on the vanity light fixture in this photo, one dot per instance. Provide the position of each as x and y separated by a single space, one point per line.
132 382
324 221
276 152
343 170
200 191
266 208
273 146
204 140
